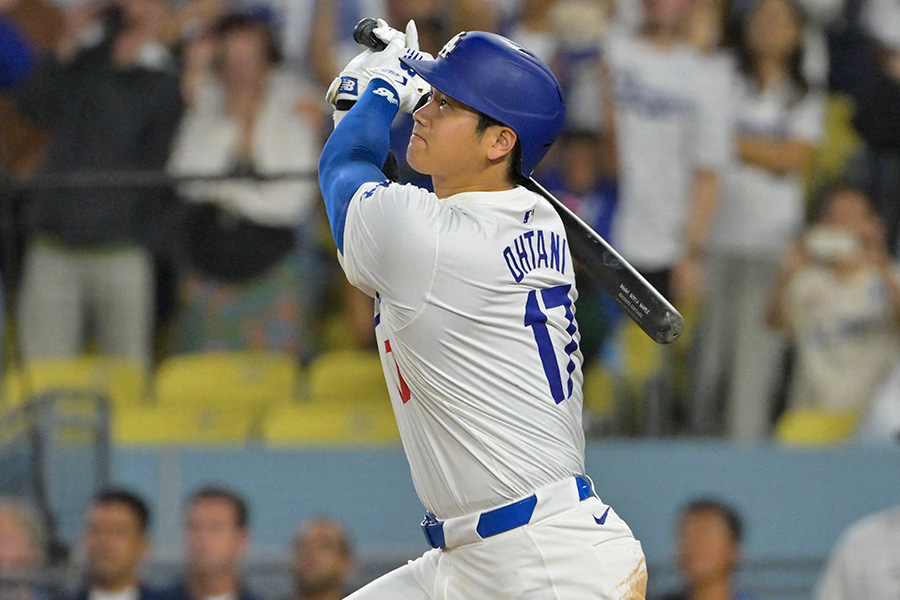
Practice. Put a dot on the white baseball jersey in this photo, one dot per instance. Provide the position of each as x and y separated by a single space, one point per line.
672 118
866 561
475 322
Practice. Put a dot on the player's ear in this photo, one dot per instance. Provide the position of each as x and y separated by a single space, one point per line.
504 140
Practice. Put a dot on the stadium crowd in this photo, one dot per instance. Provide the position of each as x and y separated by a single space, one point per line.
115 548
116 544
744 155
704 138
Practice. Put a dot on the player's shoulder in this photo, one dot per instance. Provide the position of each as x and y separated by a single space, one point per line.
387 189
397 205
387 194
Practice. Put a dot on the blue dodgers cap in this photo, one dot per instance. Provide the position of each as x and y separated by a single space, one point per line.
506 82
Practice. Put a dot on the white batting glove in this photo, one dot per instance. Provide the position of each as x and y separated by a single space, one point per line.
346 89
410 87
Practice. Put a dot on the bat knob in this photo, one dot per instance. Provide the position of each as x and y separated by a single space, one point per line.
364 34
670 329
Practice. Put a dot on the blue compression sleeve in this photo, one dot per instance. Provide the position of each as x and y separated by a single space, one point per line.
355 152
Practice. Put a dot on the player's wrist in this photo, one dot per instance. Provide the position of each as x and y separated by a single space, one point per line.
407 90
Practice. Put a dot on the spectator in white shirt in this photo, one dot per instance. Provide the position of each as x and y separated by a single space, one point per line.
672 126
778 122
865 563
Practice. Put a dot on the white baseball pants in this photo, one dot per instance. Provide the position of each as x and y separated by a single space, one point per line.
570 550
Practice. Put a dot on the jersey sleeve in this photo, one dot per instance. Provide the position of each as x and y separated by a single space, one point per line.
390 242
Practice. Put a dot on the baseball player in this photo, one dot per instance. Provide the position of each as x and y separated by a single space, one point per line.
475 320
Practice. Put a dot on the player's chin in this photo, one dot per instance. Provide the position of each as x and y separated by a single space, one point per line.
416 155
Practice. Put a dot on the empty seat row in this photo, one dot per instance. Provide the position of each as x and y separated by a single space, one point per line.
225 397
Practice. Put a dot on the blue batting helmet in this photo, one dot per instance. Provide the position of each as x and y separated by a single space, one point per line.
503 80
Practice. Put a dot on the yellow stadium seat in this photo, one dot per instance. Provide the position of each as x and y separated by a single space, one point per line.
641 356
809 426
324 424
120 381
254 379
838 144
599 391
185 425
347 377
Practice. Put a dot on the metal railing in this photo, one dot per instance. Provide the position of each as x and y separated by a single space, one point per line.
78 180
55 453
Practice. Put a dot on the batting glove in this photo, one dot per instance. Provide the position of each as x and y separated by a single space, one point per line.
410 87
347 87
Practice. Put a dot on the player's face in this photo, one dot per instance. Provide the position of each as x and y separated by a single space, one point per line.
444 142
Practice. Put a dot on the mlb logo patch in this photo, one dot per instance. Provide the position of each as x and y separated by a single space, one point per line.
529 216
349 85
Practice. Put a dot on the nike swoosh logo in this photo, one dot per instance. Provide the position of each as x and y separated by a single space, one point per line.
602 519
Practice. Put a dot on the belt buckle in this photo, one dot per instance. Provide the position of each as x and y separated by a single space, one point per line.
434 531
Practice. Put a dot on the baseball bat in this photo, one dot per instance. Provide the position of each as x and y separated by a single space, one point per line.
641 301
629 289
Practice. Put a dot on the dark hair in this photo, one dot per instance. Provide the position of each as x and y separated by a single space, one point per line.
128 499
737 40
514 166
727 512
254 19
241 512
826 195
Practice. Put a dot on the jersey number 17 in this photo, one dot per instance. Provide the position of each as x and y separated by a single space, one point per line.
554 297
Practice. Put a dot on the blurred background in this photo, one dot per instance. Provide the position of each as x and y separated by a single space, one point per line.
179 344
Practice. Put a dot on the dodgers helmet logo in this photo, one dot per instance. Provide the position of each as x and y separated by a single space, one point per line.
450 46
